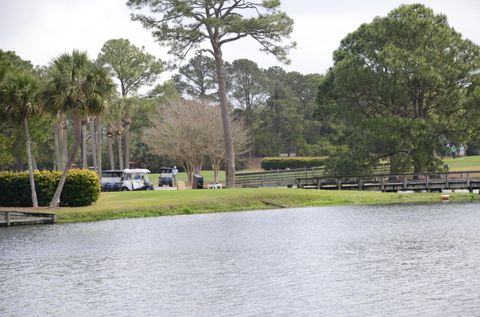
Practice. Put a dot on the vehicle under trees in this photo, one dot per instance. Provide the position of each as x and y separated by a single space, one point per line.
76 88
180 132
400 86
133 68
185 25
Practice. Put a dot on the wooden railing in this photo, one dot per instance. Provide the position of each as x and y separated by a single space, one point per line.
469 180
288 177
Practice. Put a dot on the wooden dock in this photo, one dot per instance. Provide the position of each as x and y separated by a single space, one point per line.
14 218
465 180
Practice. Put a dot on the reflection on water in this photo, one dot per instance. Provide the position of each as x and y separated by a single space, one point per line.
338 261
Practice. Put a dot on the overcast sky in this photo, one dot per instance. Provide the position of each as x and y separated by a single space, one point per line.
40 30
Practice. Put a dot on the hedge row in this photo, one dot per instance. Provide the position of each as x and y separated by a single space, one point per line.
82 188
281 163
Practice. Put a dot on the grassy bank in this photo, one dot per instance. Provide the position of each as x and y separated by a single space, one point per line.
161 203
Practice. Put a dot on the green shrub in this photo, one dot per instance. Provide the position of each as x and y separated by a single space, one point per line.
82 187
281 163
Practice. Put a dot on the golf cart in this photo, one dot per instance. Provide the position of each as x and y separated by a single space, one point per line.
137 179
166 177
111 181
127 179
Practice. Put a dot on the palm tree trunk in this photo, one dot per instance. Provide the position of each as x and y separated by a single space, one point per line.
84 144
76 144
30 165
110 153
99 145
120 151
127 145
62 129
110 146
64 143
57 146
225 110
94 144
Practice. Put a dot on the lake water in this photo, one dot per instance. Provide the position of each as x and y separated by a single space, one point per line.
414 260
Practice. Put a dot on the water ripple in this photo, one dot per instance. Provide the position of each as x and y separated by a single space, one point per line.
338 261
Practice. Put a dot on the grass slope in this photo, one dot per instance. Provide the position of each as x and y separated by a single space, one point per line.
161 203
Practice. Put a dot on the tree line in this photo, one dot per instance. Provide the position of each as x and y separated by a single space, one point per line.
401 87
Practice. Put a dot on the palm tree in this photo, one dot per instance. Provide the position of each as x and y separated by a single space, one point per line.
20 94
78 88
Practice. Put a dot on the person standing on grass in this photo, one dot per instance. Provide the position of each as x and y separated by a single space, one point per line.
453 150
461 151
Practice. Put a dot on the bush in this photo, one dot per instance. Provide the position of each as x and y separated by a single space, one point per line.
82 187
281 163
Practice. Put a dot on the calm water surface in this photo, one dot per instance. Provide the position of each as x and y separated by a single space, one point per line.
417 260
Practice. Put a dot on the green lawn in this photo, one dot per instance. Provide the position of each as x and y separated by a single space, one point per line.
160 203
459 164
466 163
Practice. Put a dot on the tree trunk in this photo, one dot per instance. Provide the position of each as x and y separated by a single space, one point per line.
76 144
126 135
64 142
225 110
84 145
30 165
126 143
93 144
110 146
57 146
99 146
120 151
215 167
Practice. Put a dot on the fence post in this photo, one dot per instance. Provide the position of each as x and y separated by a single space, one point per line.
7 218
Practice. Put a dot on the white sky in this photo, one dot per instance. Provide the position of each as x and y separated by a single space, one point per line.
40 30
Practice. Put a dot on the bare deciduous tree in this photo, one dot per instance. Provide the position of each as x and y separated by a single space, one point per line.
191 131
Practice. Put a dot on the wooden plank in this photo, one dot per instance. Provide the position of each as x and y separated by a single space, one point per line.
9 218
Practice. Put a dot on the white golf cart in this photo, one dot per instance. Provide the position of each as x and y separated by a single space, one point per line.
127 179
136 179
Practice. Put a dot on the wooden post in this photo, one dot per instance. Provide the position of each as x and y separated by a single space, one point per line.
404 182
427 187
382 183
7 218
470 190
360 183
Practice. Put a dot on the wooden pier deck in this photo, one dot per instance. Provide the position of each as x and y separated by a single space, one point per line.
465 180
18 217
